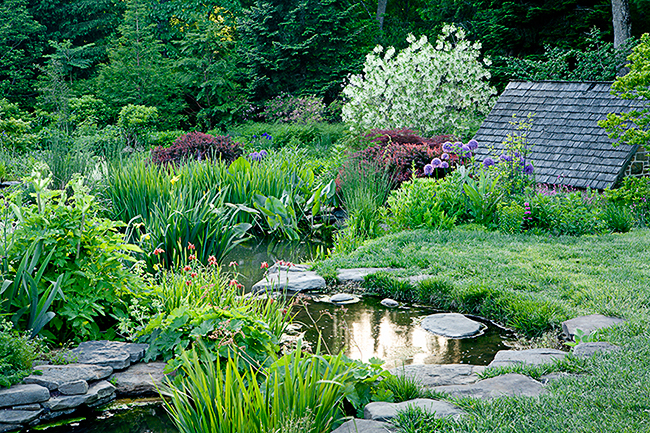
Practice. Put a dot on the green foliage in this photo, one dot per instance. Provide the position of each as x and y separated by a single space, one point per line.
633 127
618 218
565 212
403 387
16 131
634 193
285 108
482 196
136 123
367 382
218 397
416 204
17 354
510 217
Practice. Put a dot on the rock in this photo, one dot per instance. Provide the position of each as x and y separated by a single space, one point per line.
507 385
277 267
76 387
452 325
382 411
441 375
390 303
96 392
505 358
57 414
56 375
113 354
586 350
588 324
341 298
9 416
104 400
139 379
363 426
290 281
547 378
10 427
35 406
23 394
356 275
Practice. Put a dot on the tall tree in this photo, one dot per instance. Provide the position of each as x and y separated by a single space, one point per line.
622 21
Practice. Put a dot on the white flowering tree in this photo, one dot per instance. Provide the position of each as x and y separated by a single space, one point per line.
433 89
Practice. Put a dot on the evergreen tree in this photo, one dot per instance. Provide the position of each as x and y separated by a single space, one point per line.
137 72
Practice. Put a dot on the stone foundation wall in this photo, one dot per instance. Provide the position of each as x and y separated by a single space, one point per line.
639 165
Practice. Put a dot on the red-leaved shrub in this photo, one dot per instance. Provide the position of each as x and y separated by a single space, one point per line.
199 146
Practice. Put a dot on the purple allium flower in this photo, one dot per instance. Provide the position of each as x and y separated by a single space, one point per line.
473 144
447 147
458 145
466 148
436 162
428 169
506 158
529 169
444 156
487 162
255 156
264 153
444 164
254 136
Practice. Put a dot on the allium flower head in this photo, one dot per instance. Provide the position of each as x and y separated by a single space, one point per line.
473 144
264 153
444 164
466 148
529 169
444 156
428 169
436 162
506 158
255 156
487 162
447 147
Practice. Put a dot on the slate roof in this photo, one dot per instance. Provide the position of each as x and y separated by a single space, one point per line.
567 145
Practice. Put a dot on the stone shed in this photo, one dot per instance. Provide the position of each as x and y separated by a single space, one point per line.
567 145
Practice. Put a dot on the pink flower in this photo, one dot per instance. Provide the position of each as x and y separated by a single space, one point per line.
264 265
190 246
187 268
192 257
232 264
158 251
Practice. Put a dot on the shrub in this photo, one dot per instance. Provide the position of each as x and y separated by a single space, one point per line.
293 109
431 88
635 193
562 211
510 217
136 123
199 146
17 354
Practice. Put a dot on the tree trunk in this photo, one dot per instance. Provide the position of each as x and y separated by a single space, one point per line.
381 11
621 20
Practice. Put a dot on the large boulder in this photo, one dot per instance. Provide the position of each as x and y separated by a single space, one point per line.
507 385
452 325
383 411
440 374
505 358
139 379
588 324
291 281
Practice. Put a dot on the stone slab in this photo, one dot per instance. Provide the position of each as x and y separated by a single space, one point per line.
291 282
277 267
507 385
23 394
390 303
452 325
356 275
363 426
441 374
9 416
5 428
96 392
56 375
76 387
34 406
586 350
506 358
589 324
115 354
383 411
57 414
343 298
139 379
104 400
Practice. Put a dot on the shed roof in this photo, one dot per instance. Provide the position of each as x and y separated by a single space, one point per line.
566 144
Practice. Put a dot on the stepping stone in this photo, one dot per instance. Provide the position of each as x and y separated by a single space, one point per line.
441 374
390 303
56 375
293 279
452 325
505 358
23 394
344 298
276 267
586 350
363 426
507 385
139 379
383 411
355 275
113 354
589 324
19 416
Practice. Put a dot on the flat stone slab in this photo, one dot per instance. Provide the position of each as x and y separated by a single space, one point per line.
383 411
113 354
76 387
56 375
9 416
23 394
363 426
290 281
390 303
507 385
355 275
277 267
344 298
10 427
441 374
139 379
505 358
452 325
586 350
589 324
97 391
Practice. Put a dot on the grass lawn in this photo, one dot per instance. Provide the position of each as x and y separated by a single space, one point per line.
532 283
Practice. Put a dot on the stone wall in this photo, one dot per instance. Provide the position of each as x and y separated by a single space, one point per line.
640 164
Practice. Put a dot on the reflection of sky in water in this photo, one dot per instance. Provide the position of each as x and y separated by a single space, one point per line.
368 329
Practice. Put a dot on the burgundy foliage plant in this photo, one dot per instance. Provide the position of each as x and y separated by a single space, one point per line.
199 146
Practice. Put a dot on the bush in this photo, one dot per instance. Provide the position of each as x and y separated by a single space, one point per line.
199 146
635 193
293 109
562 211
282 135
136 123
441 88
17 354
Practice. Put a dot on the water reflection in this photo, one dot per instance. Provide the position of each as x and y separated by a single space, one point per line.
368 329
